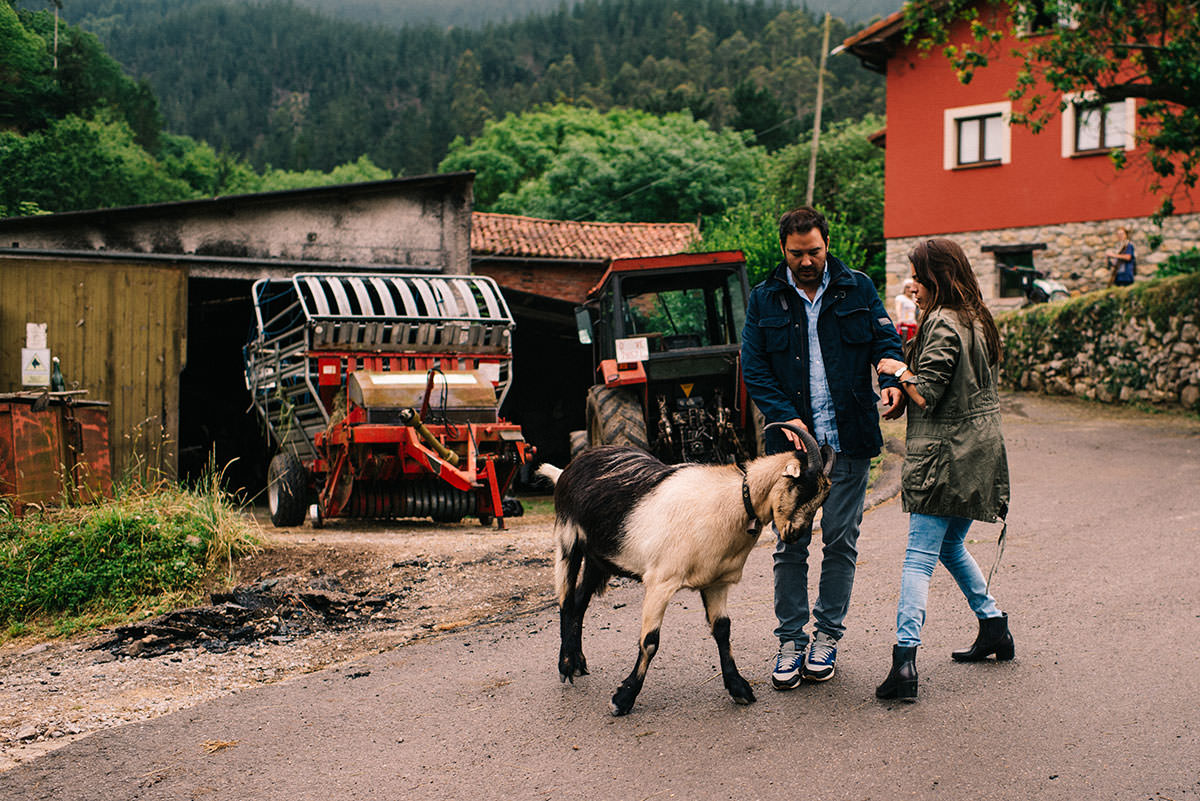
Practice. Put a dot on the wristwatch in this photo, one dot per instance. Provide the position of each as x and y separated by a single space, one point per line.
903 369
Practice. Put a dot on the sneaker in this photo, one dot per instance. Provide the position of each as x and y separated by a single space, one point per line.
787 667
822 653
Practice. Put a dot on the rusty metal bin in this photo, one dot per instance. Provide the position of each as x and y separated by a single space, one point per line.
53 449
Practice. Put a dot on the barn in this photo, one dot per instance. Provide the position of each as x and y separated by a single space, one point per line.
148 307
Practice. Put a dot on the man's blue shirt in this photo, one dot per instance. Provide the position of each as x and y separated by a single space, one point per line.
824 418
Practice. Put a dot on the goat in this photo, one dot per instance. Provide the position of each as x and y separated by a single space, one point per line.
620 511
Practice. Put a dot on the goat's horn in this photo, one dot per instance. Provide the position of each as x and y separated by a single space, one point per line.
811 449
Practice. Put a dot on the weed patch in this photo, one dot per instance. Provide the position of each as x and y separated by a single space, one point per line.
78 567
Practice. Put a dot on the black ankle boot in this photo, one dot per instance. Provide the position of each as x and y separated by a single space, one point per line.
994 638
901 682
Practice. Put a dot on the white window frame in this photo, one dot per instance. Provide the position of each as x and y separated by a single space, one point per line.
950 118
1065 16
1070 117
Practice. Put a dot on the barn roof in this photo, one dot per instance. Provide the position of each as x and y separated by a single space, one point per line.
513 235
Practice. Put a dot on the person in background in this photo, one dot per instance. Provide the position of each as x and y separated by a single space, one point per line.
1122 260
814 330
905 311
956 468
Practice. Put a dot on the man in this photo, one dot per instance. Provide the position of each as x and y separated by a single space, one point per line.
814 329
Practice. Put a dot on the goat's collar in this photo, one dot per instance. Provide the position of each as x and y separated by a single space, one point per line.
755 524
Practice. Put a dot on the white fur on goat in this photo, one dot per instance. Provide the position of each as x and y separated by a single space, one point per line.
620 511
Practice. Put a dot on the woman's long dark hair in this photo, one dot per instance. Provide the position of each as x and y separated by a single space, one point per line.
943 270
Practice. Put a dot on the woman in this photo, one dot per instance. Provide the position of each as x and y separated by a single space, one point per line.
956 469
905 311
1122 260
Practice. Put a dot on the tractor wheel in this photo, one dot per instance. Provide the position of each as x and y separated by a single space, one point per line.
287 490
578 441
615 418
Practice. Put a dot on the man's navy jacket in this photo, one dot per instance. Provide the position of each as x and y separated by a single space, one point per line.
855 332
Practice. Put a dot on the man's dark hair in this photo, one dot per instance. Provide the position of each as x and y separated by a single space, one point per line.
803 220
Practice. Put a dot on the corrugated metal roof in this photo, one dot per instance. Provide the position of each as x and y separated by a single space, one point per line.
512 235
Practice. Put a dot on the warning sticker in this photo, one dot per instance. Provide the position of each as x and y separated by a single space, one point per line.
35 367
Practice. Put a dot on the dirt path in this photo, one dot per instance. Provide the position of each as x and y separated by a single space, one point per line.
435 579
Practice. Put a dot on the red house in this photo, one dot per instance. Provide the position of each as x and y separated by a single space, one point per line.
955 167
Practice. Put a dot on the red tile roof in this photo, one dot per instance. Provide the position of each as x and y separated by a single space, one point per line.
511 235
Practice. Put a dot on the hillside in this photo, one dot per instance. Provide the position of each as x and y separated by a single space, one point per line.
285 86
439 13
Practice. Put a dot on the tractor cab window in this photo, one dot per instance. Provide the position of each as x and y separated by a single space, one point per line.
679 310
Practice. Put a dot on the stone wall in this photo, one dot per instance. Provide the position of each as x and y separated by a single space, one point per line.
1074 252
1120 345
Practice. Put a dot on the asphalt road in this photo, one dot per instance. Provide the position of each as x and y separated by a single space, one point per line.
1099 578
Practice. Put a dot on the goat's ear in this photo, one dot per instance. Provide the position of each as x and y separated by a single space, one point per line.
828 457
793 469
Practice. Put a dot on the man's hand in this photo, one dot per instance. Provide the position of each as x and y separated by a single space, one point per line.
793 437
888 366
893 403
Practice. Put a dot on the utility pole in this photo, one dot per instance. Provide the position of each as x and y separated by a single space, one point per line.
816 136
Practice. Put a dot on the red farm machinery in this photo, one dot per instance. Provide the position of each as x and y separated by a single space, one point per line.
381 395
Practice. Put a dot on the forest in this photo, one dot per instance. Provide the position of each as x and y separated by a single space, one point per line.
441 13
608 109
285 86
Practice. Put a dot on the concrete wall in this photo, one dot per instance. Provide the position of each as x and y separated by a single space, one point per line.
420 223
1074 252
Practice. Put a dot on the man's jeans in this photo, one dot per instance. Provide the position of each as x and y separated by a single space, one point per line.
931 538
841 515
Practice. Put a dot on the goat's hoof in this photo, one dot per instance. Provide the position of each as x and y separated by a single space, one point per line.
622 703
739 690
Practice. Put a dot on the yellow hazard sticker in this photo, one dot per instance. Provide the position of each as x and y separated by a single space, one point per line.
687 389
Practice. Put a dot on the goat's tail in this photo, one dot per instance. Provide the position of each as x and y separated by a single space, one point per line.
549 471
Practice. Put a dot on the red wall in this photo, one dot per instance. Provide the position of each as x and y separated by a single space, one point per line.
1038 187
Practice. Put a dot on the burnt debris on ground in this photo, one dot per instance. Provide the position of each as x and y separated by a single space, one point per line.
275 609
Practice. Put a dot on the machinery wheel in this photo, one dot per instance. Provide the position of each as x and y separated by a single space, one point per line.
578 441
287 490
615 418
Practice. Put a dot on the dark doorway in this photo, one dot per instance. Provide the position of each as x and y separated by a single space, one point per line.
551 374
215 415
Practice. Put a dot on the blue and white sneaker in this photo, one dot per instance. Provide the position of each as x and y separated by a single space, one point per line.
787 666
822 653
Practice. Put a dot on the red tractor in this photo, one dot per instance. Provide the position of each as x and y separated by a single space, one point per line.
381 393
665 332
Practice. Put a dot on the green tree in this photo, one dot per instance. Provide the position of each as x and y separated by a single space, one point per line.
569 163
1103 50
81 163
470 108
753 228
25 79
848 189
849 181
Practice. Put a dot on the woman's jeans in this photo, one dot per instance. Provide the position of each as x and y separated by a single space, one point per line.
931 538
841 515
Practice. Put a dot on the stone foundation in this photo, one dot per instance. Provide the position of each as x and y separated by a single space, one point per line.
1074 252
1138 345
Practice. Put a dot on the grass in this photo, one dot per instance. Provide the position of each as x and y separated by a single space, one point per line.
149 549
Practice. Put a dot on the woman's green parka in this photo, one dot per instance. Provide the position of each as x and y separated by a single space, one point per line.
956 465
